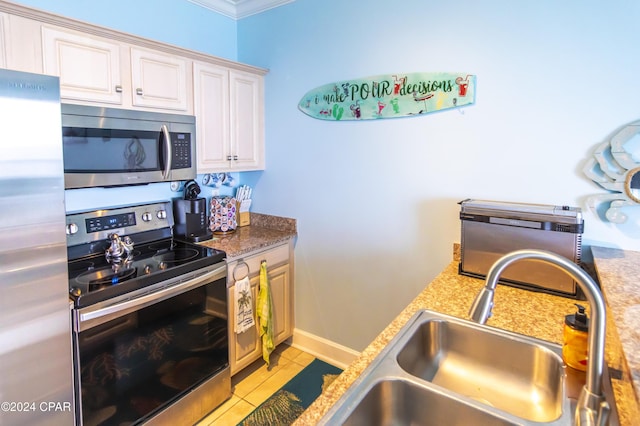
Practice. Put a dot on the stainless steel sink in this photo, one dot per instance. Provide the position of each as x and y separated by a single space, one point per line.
402 402
444 370
512 373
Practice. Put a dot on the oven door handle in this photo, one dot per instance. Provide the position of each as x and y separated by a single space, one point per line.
93 317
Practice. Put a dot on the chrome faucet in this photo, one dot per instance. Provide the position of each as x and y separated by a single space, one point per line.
592 408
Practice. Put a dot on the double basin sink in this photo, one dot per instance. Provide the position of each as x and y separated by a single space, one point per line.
441 370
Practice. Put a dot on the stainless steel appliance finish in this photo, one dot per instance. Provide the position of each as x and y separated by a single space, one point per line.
490 229
35 336
149 325
112 147
442 370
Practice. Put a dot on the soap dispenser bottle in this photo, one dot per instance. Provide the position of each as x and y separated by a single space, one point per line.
575 339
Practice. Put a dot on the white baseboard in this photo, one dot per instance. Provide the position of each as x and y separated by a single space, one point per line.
323 349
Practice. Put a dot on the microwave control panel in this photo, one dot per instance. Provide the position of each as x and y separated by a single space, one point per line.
181 143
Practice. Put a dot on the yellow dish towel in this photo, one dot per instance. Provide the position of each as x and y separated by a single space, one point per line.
265 313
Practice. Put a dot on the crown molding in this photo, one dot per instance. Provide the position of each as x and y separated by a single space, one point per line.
238 9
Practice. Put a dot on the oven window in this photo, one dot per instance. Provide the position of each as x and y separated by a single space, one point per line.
135 365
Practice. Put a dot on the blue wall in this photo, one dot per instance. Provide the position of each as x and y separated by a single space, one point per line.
376 201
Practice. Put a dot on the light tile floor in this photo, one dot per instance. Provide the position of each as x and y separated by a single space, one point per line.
256 383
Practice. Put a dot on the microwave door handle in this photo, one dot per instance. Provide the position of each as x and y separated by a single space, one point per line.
167 150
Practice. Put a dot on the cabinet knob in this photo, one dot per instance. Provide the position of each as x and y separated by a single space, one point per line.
229 158
118 89
139 91
235 157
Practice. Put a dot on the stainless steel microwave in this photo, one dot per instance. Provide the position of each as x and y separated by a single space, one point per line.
105 147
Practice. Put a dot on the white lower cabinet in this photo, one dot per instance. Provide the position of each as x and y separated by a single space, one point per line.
246 347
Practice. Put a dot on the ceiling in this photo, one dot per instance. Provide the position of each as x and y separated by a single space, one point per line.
238 9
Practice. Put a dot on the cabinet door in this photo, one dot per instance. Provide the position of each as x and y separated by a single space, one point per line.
159 80
3 40
247 121
89 69
211 108
244 348
23 44
281 300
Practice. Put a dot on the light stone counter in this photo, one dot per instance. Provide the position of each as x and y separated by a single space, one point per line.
534 314
264 231
618 271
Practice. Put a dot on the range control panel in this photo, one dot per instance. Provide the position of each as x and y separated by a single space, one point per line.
95 225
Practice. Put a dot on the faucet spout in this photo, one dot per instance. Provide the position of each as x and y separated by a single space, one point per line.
592 408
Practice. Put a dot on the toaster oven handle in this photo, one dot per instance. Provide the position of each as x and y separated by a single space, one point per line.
168 151
93 317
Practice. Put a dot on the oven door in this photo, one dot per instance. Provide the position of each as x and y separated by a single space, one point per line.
135 357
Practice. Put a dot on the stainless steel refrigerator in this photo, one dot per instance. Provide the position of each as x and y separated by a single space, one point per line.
36 383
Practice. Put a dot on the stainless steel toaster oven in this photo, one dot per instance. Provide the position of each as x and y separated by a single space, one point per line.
491 229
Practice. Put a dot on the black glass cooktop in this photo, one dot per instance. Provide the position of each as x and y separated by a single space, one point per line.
93 279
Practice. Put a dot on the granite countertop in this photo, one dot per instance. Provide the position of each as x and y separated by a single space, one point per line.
264 231
535 314
618 271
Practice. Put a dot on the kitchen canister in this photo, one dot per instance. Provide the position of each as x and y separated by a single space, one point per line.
223 215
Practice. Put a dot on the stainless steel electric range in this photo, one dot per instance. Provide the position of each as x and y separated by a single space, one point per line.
149 319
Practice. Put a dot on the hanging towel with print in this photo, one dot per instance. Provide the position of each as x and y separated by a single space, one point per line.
243 302
265 313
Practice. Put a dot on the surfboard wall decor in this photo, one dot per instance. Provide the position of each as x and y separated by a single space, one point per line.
389 96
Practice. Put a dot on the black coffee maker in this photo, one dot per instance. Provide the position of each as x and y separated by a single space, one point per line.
190 214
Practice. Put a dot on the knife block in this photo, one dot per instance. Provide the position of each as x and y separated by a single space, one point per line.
243 216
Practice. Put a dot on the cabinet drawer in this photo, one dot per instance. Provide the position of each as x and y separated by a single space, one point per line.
274 256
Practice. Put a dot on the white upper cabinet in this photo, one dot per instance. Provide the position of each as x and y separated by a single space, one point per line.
211 108
22 44
229 110
89 69
159 80
247 120
3 37
96 69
